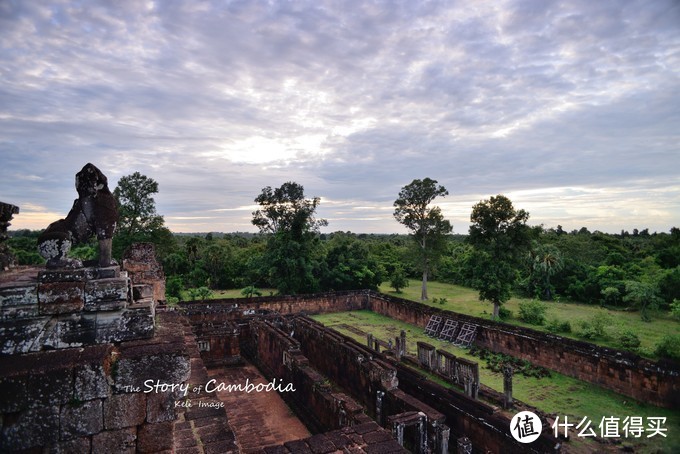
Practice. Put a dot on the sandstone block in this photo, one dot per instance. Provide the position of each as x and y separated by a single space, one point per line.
127 324
79 419
61 297
67 331
155 437
122 441
18 296
35 390
90 382
124 410
81 444
106 294
17 336
142 291
29 428
160 407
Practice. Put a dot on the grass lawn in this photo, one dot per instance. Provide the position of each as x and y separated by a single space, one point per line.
232 293
558 395
466 301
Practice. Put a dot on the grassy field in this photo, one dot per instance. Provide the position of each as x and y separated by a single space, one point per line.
466 301
558 395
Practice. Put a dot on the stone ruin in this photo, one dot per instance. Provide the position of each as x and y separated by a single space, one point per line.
94 213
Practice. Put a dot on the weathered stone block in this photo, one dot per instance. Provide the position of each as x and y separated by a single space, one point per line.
118 441
127 324
90 382
61 297
81 444
34 391
160 407
17 336
124 410
142 291
67 331
108 272
155 437
106 294
18 296
79 419
29 428
151 363
66 275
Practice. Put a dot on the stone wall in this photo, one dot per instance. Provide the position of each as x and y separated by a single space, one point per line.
320 407
655 382
92 398
368 377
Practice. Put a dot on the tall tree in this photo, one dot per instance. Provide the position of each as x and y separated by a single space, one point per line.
138 219
292 248
500 237
426 223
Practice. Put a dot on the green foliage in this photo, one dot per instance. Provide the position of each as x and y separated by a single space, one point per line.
500 236
427 224
595 327
138 220
174 287
629 340
349 265
497 361
675 309
291 262
251 291
398 279
558 326
504 313
669 347
643 297
200 293
533 312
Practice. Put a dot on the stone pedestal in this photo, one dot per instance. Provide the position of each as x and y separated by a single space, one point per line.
62 308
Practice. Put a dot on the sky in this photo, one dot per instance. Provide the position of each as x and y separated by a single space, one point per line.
570 108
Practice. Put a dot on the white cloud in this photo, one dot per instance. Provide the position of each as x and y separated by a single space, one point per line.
353 100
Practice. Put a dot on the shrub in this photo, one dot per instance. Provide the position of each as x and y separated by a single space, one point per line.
596 326
629 340
504 314
532 311
558 326
675 309
669 347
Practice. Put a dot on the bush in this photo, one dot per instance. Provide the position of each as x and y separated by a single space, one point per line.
533 312
629 340
504 314
596 326
669 347
675 309
558 326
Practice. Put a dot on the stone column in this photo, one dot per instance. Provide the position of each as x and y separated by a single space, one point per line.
369 340
376 345
507 386
402 337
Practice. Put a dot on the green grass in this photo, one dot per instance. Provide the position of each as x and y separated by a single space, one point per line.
232 293
558 395
466 301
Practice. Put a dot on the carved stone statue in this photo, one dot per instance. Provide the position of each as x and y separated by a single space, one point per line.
93 213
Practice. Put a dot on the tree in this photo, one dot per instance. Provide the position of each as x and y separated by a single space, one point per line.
349 265
292 249
398 279
547 261
136 205
427 224
500 237
138 220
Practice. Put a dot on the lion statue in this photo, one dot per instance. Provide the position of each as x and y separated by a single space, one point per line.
93 213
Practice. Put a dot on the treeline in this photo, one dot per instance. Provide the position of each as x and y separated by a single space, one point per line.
638 270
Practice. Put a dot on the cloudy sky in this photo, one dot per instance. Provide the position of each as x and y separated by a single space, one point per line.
570 108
